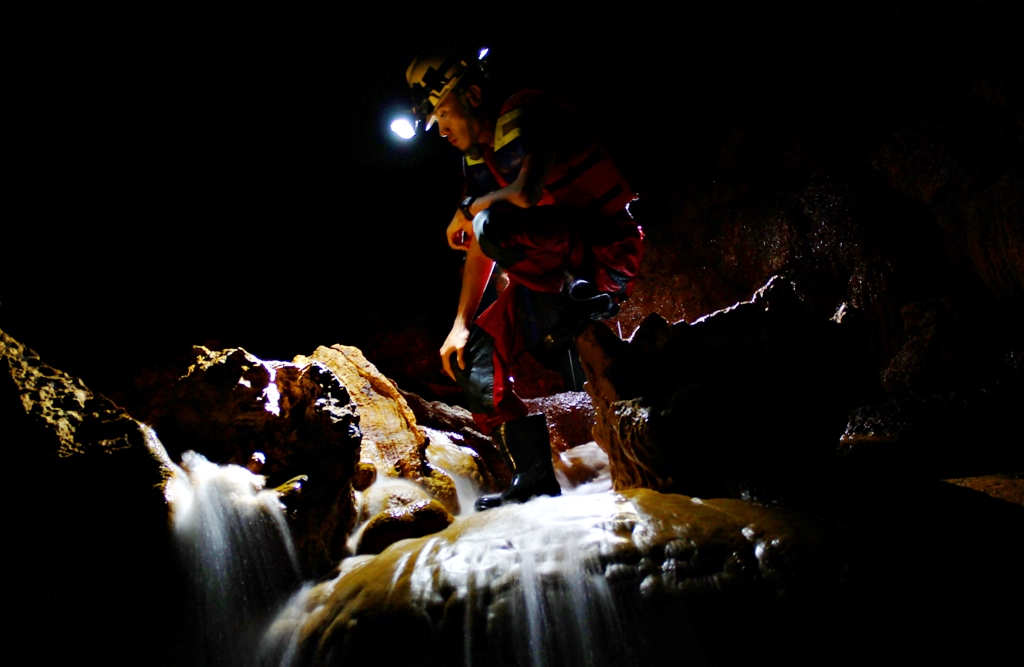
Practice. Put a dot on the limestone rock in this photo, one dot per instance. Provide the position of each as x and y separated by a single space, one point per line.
441 486
569 415
691 408
939 303
962 433
1005 487
366 474
458 425
231 404
416 519
613 577
388 494
581 464
86 480
392 440
967 167
385 419
76 421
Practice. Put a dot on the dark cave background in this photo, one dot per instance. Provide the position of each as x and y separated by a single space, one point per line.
190 174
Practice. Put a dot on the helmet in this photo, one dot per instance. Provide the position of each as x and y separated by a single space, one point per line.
433 74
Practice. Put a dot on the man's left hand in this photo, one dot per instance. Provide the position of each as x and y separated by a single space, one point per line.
456 342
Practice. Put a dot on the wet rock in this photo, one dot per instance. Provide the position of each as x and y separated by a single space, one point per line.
388 494
458 460
90 511
760 389
569 415
385 419
419 518
966 432
441 487
299 415
613 577
63 411
389 497
581 464
366 474
458 425
392 440
1004 487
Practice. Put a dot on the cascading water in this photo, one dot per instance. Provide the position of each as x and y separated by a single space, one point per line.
525 584
533 583
547 582
237 552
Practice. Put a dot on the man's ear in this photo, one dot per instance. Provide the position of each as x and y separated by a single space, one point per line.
474 96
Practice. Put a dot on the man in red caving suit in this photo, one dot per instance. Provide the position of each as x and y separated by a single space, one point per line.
546 204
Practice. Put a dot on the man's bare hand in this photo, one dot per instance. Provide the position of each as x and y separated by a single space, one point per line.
456 342
460 232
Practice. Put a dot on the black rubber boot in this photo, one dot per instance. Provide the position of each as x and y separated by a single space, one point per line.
528 447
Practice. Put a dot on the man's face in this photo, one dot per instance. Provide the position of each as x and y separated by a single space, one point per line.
454 124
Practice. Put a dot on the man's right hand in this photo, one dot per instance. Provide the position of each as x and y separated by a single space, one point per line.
460 232
456 342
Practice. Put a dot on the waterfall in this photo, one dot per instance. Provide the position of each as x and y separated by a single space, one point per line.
524 584
237 553
530 581
533 583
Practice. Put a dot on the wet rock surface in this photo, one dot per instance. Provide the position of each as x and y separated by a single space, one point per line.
965 432
760 389
299 416
60 408
89 512
573 580
1004 487
415 519
458 424
569 415
332 417
385 420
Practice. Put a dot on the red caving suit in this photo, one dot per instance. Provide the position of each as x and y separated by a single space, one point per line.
581 226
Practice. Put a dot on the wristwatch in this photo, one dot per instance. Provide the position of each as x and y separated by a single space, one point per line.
464 207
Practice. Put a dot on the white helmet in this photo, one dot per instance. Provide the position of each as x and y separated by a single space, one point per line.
433 74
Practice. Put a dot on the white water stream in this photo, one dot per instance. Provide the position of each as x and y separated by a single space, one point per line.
237 553
529 578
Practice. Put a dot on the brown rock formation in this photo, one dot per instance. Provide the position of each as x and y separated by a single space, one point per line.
761 389
419 518
385 419
1004 487
650 567
570 418
458 424
392 441
231 404
87 482
75 420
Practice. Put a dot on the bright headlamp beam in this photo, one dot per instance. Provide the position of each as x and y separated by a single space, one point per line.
403 128
483 52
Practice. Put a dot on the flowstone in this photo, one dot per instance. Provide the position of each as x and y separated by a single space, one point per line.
572 580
